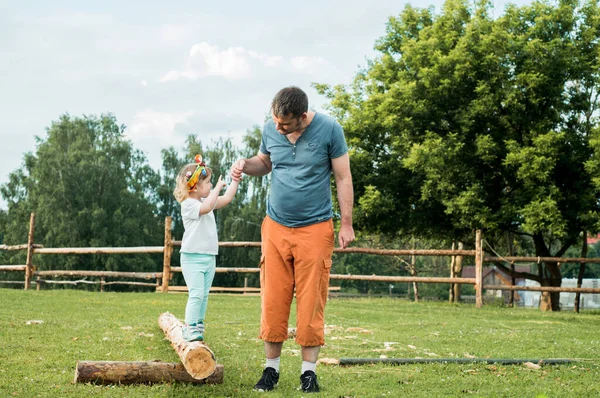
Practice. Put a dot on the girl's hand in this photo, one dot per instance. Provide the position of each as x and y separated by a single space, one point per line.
220 184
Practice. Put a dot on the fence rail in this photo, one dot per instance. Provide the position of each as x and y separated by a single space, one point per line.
99 250
112 274
12 267
17 247
562 260
163 277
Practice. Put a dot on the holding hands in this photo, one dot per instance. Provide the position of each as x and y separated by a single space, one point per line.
236 169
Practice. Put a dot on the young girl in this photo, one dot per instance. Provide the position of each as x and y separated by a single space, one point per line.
199 245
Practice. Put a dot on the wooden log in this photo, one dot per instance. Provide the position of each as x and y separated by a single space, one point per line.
196 357
139 372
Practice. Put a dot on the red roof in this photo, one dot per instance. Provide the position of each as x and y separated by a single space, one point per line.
592 240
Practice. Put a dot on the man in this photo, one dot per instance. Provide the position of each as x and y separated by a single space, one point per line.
300 149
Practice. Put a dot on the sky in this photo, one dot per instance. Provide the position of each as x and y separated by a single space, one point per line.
170 69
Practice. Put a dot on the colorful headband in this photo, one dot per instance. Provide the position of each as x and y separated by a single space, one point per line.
192 178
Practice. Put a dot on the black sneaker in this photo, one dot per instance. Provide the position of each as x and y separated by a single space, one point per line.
268 381
308 382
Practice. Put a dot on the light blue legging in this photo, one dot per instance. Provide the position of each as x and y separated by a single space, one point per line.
198 271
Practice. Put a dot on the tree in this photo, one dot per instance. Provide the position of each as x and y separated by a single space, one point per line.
465 122
88 187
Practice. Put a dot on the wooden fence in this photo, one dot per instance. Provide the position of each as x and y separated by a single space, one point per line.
162 279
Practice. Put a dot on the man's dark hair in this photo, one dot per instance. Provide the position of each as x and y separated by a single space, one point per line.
289 101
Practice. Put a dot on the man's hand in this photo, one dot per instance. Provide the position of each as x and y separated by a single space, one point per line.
346 236
237 169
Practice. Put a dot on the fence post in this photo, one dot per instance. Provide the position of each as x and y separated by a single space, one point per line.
478 270
167 256
29 262
452 274
584 247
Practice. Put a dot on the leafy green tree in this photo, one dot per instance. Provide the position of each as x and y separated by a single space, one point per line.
89 188
468 122
592 271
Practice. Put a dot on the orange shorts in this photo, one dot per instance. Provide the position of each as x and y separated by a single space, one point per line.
297 258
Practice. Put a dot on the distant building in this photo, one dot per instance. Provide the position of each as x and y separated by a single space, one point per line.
495 276
592 240
567 300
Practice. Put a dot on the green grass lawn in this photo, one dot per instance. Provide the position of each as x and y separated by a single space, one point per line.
38 360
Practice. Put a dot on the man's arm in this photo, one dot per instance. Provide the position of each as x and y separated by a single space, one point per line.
257 166
345 192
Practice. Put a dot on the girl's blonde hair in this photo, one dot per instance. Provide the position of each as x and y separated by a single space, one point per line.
181 191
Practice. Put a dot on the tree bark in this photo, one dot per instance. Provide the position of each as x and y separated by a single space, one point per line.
550 301
196 357
549 273
139 372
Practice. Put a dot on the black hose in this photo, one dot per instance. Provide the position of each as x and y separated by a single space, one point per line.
406 361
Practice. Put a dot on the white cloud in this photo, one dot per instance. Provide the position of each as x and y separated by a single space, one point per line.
156 128
309 64
152 131
173 34
271 61
77 20
232 63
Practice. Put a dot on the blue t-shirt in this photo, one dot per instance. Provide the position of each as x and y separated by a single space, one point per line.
300 191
